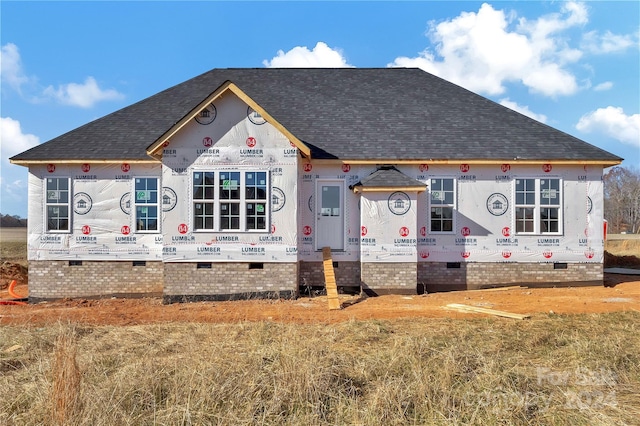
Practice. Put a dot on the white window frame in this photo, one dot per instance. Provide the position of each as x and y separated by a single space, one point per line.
217 201
57 203
538 205
138 203
453 205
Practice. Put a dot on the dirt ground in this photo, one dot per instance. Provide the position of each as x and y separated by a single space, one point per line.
620 293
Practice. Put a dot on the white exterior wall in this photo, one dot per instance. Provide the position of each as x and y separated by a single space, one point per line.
102 226
491 236
231 142
479 235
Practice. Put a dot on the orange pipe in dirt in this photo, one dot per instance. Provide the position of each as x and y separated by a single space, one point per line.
12 302
12 285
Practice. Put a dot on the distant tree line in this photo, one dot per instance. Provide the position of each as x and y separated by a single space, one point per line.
622 200
8 221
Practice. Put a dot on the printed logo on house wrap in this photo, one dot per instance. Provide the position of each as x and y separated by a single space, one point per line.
169 199
497 204
399 203
255 116
82 203
207 115
125 203
589 204
278 199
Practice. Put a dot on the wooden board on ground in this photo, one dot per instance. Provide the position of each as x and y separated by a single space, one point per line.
330 279
513 287
475 309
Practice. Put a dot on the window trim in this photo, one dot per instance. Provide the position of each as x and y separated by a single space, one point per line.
538 206
453 206
68 204
243 202
157 204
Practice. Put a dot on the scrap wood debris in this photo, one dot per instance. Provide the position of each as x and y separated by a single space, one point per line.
475 309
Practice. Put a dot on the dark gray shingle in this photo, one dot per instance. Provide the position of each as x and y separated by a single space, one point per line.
388 177
381 114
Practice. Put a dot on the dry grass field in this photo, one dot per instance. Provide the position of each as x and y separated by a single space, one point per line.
95 363
623 245
13 245
556 370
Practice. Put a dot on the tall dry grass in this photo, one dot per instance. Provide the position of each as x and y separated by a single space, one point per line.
65 390
559 370
623 247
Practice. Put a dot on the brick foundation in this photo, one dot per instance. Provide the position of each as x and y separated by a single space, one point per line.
389 278
434 276
51 280
59 279
312 274
229 281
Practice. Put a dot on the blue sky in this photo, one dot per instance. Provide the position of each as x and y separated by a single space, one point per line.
572 65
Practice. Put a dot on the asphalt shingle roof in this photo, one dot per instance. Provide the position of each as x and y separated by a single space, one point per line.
389 177
347 113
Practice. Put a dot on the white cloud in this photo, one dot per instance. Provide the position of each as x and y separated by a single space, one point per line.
322 56
523 109
603 86
613 122
13 141
82 95
485 50
11 71
608 42
13 185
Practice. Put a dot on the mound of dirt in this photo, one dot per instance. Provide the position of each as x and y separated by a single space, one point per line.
612 261
10 271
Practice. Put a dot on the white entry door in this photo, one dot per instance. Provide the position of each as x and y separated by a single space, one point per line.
329 214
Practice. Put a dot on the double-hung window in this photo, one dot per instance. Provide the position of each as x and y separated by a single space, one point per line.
58 204
234 200
442 196
146 203
538 206
204 187
256 200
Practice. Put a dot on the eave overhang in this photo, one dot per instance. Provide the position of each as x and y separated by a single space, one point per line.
604 163
77 161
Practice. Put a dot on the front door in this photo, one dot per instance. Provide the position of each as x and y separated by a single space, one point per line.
329 214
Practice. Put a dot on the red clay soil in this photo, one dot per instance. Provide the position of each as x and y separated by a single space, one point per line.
620 293
10 271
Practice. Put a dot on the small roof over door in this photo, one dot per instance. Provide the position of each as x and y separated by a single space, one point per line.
388 178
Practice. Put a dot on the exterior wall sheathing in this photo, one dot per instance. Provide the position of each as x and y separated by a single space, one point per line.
185 282
57 279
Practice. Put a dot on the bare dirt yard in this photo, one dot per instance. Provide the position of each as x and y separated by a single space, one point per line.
619 293
622 293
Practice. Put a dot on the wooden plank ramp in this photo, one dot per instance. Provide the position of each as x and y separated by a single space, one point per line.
330 279
475 309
